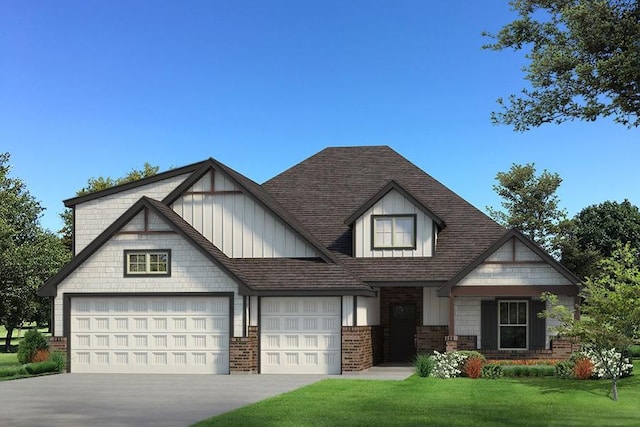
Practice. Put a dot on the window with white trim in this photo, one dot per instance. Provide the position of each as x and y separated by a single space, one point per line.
513 325
147 263
393 231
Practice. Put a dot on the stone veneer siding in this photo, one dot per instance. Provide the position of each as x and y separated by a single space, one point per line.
361 347
243 353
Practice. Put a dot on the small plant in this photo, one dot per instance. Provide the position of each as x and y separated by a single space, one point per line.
492 371
32 342
40 368
40 355
12 371
564 369
528 371
583 368
634 351
473 367
59 359
447 365
423 364
472 354
607 362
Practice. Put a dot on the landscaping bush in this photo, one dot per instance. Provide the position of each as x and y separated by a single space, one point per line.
40 355
12 371
41 368
472 354
423 364
634 351
564 369
528 371
59 359
583 368
33 341
492 371
610 359
447 365
473 367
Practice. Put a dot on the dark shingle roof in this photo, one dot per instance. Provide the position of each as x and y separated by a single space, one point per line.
325 189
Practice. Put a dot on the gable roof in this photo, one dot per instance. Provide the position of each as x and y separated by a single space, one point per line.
334 184
133 184
178 224
510 234
393 185
255 191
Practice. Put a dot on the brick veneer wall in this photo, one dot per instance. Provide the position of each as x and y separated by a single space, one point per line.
243 353
397 295
561 348
361 347
430 338
59 344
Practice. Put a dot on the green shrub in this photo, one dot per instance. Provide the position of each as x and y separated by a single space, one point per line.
564 369
492 371
634 351
41 368
12 371
423 364
59 359
528 371
472 354
32 342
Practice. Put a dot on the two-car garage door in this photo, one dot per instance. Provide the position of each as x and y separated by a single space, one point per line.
187 335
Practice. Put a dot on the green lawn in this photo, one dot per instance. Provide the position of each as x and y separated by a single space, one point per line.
454 402
8 359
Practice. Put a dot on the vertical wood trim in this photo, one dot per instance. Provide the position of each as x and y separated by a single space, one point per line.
452 306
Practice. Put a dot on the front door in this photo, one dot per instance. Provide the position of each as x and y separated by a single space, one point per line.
403 332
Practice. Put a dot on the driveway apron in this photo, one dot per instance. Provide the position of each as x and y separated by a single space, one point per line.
101 400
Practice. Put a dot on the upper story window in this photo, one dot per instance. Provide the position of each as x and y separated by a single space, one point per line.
393 231
147 263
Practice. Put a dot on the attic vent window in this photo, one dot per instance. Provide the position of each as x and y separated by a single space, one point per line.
147 263
393 231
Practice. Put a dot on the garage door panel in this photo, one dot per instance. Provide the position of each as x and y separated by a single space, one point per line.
300 335
150 335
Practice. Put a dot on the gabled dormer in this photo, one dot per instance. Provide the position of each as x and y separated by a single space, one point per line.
394 223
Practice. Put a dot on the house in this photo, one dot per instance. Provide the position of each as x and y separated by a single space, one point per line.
351 258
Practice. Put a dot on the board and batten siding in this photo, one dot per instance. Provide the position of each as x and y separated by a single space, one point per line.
190 272
393 203
239 226
94 216
435 309
500 269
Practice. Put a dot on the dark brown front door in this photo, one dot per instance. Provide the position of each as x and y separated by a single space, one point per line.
403 332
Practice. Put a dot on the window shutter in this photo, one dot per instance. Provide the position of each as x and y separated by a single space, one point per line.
538 326
489 325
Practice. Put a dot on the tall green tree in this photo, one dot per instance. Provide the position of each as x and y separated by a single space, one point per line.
595 233
29 255
530 204
583 62
98 184
610 310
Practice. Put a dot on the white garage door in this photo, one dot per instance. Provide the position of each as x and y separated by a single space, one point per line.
300 335
178 335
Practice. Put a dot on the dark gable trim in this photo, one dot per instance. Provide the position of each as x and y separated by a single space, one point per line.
393 185
445 290
66 304
49 288
134 184
256 194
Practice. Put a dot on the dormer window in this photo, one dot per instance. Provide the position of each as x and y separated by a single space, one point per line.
393 231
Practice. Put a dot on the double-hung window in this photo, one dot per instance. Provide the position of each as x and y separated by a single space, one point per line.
393 231
147 263
513 325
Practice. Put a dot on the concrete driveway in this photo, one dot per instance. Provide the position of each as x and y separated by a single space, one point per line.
98 400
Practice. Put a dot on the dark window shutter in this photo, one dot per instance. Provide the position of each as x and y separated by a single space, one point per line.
489 325
538 326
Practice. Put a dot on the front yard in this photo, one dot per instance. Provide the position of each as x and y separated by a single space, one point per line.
451 402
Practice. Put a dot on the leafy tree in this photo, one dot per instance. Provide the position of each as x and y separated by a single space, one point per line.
610 310
531 204
98 184
595 233
583 61
28 254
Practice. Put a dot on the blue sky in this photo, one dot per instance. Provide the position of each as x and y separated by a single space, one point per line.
93 89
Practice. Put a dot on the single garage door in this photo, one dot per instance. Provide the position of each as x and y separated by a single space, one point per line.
300 335
177 335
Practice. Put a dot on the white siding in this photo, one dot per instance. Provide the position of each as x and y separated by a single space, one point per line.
393 203
94 216
347 310
467 317
368 311
569 303
237 225
435 309
190 272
